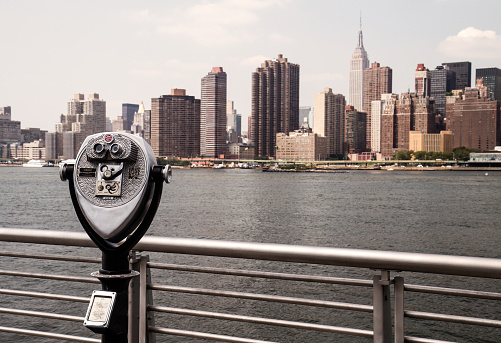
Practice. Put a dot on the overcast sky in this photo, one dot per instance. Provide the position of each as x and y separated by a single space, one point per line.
132 51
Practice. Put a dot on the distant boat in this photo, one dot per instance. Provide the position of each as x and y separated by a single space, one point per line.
35 164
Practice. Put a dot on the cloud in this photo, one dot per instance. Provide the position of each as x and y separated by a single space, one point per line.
472 43
219 23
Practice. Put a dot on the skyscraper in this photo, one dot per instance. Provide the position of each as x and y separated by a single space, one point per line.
463 73
213 113
377 108
329 114
355 129
422 80
492 79
400 116
275 103
128 111
175 125
233 119
442 80
377 81
473 118
304 116
358 63
141 124
85 117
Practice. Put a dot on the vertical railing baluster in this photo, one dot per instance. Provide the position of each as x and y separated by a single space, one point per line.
382 307
399 308
133 334
146 318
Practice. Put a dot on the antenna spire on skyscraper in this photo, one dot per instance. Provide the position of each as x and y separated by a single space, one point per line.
360 36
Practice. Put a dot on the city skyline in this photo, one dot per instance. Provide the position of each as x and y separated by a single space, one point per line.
114 49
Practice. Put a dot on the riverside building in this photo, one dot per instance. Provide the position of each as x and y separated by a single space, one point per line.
213 113
443 80
355 130
402 115
422 80
377 81
329 119
84 117
439 142
128 111
175 125
301 145
275 103
473 118
492 79
463 73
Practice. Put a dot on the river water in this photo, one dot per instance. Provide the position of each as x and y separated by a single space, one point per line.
447 212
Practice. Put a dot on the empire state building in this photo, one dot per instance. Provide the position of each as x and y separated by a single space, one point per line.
359 62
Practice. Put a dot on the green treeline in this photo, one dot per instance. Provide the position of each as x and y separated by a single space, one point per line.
460 154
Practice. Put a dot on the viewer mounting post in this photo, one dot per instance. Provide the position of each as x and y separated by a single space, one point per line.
115 186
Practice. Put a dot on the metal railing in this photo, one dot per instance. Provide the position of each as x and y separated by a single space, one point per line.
381 314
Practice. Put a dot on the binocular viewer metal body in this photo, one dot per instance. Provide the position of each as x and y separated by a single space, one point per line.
115 186
112 177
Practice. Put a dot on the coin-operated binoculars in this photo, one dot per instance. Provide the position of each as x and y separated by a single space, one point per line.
115 187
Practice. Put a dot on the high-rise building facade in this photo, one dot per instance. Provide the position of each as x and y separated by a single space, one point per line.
358 63
355 130
422 78
175 125
443 80
474 118
463 73
213 113
400 116
492 79
377 81
440 142
304 116
85 117
377 108
388 121
301 145
329 114
233 119
10 130
275 103
128 111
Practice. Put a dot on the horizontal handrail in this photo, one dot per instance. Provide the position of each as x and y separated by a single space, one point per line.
263 297
44 295
264 275
453 319
452 291
49 276
48 335
203 335
266 321
41 314
387 260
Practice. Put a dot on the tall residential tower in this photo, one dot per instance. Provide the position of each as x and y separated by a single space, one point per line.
377 81
175 125
275 103
329 120
213 113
